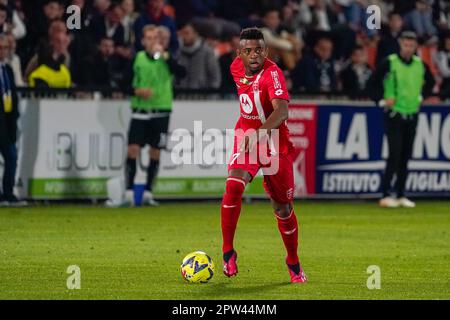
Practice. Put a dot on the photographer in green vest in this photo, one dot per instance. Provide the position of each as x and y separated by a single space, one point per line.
399 85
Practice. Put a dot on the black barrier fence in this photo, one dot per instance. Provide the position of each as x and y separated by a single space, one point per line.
182 94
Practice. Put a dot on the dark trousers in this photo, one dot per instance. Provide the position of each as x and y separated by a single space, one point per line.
9 154
400 131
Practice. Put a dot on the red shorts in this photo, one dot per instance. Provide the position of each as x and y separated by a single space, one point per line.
278 174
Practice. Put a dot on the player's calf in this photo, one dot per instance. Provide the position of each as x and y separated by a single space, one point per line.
231 209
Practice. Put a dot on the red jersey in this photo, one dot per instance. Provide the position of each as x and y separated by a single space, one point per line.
255 97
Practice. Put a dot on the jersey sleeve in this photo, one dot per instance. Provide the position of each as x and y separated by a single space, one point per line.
276 84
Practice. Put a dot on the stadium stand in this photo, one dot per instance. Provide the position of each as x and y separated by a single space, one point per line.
299 22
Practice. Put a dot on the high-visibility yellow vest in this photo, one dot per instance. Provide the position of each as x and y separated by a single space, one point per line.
54 78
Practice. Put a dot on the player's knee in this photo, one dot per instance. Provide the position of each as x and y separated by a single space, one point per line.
283 210
133 151
155 154
235 186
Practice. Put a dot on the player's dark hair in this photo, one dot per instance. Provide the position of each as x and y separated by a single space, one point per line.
3 8
252 34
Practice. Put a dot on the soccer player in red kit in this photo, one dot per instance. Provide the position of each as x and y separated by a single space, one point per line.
264 108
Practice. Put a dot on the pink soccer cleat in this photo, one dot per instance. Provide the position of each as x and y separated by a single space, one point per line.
297 274
230 268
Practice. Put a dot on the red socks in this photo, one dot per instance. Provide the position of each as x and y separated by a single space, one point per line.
289 233
231 209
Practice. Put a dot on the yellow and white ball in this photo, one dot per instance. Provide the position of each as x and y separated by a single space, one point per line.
197 267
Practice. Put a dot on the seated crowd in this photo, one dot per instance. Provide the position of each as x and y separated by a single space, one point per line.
323 46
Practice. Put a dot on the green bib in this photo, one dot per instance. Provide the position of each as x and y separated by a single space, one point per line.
153 74
404 83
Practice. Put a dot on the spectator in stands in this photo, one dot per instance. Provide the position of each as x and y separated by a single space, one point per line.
4 26
9 114
186 10
290 19
101 7
110 68
315 15
443 17
52 11
386 7
388 43
316 70
202 66
420 19
19 9
51 71
206 17
356 16
442 61
244 12
81 44
281 44
86 12
154 14
55 28
227 83
109 25
14 61
356 75
319 16
12 24
128 20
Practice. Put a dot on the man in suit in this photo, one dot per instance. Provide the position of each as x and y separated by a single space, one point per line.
9 114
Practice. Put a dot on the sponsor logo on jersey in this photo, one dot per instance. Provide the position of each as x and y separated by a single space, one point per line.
246 103
245 116
279 92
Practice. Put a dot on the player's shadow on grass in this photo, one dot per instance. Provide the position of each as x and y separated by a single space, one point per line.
224 289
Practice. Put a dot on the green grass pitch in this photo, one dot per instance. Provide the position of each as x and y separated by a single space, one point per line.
136 253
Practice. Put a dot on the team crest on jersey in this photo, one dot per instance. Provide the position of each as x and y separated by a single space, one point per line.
245 81
246 103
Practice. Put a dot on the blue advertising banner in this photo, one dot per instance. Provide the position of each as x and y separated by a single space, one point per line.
352 148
